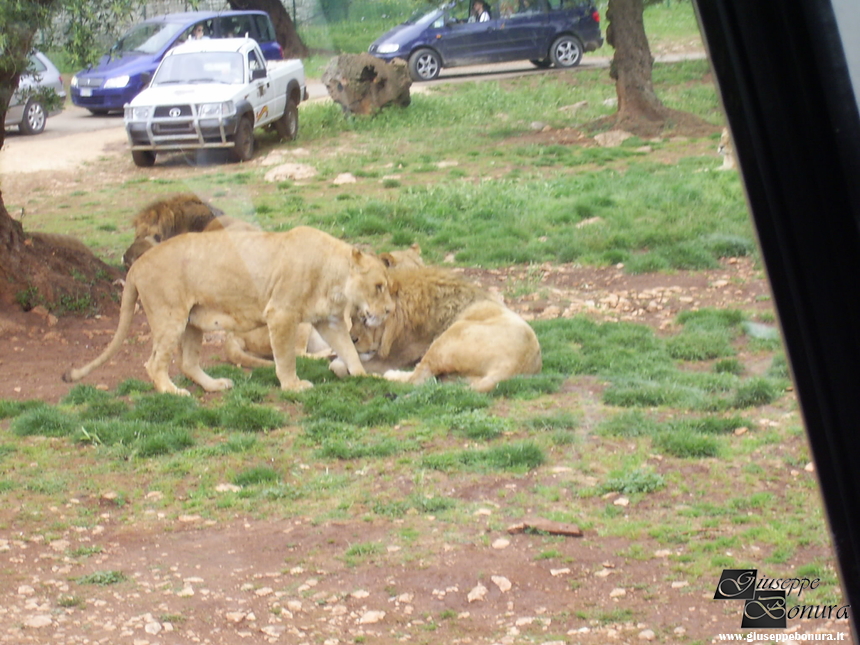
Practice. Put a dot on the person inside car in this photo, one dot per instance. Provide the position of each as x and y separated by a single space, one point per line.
480 12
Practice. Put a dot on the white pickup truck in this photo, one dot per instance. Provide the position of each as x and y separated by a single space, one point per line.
212 94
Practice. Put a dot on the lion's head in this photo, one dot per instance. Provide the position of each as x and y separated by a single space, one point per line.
368 289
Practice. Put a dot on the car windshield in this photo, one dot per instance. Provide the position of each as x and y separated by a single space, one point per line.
146 38
215 67
424 15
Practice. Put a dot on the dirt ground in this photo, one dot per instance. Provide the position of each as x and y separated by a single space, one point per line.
283 580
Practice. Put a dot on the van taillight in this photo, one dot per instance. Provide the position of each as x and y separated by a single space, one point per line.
595 16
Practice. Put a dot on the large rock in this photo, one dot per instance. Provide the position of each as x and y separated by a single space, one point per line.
364 84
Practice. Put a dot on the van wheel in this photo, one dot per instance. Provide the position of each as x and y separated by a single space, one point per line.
243 145
424 65
287 126
143 158
566 51
34 118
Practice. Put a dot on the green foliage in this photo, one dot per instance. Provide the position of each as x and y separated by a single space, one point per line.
755 392
249 417
102 578
45 422
709 425
638 480
12 408
516 457
164 408
631 423
686 443
476 425
256 476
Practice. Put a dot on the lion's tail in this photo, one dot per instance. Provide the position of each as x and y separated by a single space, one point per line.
126 315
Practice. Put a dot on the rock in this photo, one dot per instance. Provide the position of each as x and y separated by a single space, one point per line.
647 635
364 84
37 621
371 617
344 178
501 543
612 139
478 593
618 592
502 583
293 171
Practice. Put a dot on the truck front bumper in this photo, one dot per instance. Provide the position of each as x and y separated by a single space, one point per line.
183 132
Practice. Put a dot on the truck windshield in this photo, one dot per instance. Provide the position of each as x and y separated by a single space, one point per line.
211 67
146 38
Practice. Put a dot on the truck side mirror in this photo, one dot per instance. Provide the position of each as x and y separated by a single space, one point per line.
258 73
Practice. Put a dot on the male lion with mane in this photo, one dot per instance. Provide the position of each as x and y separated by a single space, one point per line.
166 218
239 281
453 326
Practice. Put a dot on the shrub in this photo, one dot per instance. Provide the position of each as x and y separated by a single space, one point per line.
686 444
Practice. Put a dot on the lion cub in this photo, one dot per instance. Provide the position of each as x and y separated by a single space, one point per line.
239 281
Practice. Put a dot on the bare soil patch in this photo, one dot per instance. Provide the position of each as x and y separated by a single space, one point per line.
187 579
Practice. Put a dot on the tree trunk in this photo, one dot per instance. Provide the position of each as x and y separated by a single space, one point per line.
632 62
640 111
285 28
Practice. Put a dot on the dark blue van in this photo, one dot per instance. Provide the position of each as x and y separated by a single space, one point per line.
546 32
125 70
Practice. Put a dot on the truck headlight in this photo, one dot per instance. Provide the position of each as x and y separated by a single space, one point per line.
388 48
212 110
74 82
116 82
136 113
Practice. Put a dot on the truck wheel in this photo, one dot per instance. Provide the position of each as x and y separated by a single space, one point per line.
288 125
34 118
143 158
243 145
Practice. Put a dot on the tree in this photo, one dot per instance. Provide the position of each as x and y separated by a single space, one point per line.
285 28
640 111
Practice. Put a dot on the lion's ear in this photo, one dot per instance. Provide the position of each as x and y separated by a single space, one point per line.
356 254
387 259
416 247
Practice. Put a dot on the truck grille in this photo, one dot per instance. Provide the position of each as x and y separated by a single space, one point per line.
170 111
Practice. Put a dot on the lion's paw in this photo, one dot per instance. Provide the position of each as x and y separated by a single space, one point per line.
397 375
339 368
219 384
297 385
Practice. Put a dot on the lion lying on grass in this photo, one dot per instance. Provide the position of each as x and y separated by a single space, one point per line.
166 218
450 327
241 281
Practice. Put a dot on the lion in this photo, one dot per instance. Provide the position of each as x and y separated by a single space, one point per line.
449 326
727 150
240 281
253 349
166 218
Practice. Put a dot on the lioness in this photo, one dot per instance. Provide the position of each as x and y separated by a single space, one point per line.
453 326
253 349
240 281
727 150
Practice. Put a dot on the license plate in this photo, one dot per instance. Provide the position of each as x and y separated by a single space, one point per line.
86 91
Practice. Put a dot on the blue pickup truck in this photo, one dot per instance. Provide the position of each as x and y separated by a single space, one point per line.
125 70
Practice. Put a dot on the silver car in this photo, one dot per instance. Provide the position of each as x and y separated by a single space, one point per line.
29 114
